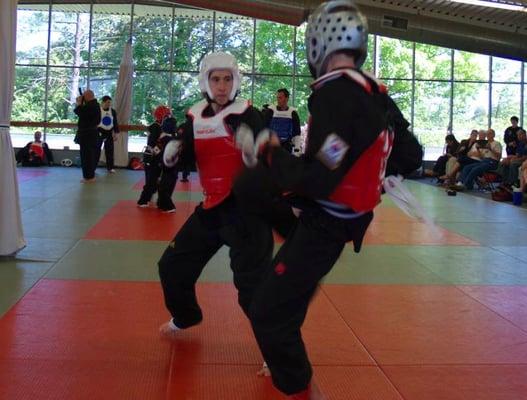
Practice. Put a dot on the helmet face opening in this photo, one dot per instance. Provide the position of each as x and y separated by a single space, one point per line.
219 61
335 26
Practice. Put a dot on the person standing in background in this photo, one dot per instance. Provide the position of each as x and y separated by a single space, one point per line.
284 120
89 113
152 155
510 137
108 129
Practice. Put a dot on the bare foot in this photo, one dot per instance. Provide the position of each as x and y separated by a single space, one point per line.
91 180
264 371
168 330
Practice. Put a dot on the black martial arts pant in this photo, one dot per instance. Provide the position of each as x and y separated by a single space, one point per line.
106 138
88 151
250 244
162 180
281 301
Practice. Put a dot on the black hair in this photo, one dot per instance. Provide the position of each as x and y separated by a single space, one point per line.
515 118
104 98
284 91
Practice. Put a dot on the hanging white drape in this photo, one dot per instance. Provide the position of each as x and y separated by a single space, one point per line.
123 104
11 234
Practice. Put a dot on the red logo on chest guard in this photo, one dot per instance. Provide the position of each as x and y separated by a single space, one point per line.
280 269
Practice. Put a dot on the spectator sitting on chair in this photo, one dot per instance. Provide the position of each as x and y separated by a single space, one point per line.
490 155
451 146
35 153
509 167
461 157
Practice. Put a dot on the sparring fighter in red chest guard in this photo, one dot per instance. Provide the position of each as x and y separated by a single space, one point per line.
207 138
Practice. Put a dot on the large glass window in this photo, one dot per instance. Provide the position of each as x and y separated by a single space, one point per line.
103 81
395 58
302 93
471 108
150 89
432 62
235 36
192 40
505 103
29 96
185 93
32 37
69 36
431 112
471 66
152 37
61 93
401 92
504 70
274 48
169 43
302 67
110 32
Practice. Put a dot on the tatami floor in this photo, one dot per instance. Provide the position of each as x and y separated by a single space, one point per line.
420 314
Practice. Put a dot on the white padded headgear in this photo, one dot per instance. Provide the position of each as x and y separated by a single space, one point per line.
333 26
219 60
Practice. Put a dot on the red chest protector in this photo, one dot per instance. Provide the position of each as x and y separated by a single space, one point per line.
361 187
38 149
217 158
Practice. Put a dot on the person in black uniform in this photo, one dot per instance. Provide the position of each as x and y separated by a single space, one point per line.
208 138
89 113
108 128
284 121
510 137
158 176
336 185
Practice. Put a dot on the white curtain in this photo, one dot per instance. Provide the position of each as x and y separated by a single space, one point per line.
123 104
11 234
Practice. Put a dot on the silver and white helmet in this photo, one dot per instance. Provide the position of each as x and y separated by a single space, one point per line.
333 26
219 60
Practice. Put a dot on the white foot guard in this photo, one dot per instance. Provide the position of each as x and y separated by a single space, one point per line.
264 371
169 330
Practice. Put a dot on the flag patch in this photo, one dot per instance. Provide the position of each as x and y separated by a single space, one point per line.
332 151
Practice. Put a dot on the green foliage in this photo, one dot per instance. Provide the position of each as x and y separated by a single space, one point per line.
274 65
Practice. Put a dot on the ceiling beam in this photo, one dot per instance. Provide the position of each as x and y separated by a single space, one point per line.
291 12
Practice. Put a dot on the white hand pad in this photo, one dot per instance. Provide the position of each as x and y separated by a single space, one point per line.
249 147
401 196
171 153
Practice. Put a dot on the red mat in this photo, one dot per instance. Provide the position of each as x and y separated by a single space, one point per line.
95 339
98 340
414 325
126 221
452 382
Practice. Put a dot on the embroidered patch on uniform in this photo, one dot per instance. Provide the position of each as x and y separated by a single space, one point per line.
332 151
279 269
